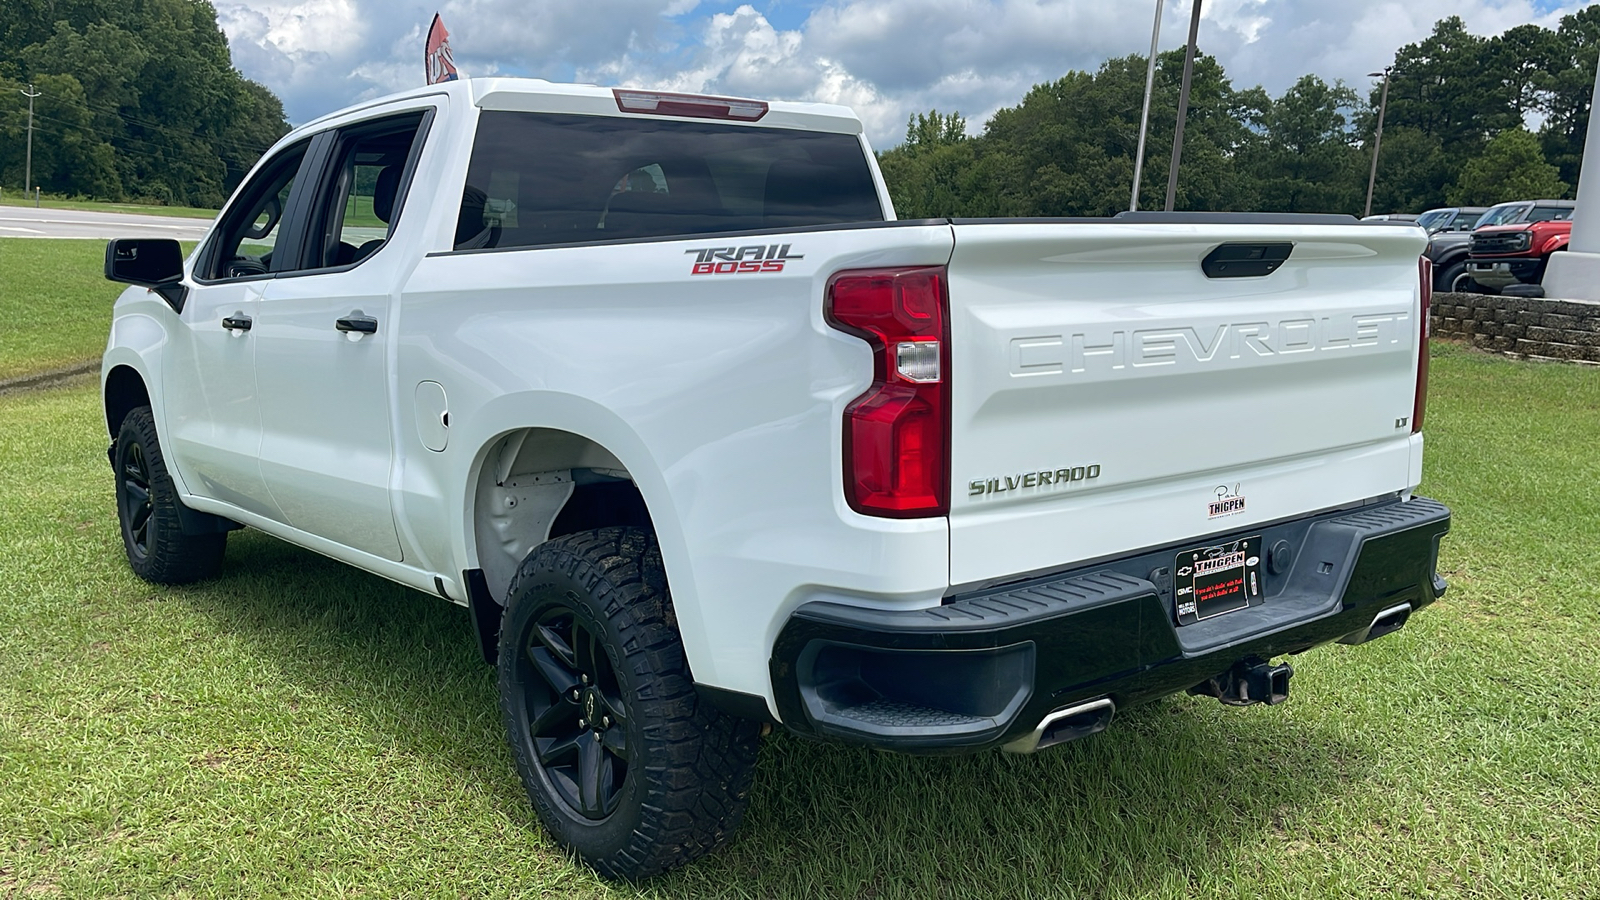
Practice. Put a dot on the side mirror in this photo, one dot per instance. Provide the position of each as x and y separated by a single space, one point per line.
155 263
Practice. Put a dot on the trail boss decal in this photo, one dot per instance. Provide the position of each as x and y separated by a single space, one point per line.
1044 478
752 260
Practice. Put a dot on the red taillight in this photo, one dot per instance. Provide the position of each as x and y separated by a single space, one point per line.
1425 273
897 434
694 106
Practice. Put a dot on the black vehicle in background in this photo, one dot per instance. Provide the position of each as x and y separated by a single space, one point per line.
1450 219
1449 248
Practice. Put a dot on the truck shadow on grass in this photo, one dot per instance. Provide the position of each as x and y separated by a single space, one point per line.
1172 791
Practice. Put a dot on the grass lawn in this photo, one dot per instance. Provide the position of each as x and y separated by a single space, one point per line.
299 729
181 212
55 304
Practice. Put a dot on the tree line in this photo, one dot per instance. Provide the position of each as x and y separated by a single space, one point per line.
138 100
1456 132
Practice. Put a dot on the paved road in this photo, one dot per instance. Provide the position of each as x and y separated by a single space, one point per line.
22 221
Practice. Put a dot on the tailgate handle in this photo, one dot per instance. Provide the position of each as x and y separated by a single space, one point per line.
1245 260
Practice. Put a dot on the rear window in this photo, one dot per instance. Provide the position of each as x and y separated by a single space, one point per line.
537 179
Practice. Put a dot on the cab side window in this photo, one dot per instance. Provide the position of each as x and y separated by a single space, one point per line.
362 190
1549 214
247 243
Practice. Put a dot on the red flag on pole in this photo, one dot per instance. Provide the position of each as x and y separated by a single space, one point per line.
439 61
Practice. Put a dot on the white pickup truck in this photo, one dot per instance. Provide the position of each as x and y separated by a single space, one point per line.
706 441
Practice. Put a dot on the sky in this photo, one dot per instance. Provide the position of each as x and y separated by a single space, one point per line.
884 58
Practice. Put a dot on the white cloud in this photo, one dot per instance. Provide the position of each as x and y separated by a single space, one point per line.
885 58
319 55
1350 38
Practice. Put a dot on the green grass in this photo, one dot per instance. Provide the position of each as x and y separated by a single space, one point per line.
182 212
300 729
358 213
55 304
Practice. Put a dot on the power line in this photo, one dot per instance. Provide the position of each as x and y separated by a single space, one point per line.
236 144
157 150
160 126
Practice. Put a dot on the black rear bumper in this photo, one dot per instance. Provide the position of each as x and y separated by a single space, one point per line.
986 668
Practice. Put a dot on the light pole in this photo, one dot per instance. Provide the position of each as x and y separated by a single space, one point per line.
1144 117
1377 141
27 177
1183 105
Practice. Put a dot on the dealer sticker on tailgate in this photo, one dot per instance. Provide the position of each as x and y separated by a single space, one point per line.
1211 581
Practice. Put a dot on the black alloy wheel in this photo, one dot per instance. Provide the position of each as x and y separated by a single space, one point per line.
150 513
579 722
622 759
134 504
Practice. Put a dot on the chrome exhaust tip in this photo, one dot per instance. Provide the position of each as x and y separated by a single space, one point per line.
1387 622
1066 724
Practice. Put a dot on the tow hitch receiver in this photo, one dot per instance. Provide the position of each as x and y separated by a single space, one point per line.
1249 682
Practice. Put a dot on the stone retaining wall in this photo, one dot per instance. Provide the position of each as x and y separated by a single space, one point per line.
1525 327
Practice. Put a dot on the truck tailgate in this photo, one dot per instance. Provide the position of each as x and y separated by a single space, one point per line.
1109 395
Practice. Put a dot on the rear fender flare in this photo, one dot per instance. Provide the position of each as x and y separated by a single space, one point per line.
558 411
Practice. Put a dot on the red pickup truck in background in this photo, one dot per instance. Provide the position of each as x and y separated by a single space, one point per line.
1504 255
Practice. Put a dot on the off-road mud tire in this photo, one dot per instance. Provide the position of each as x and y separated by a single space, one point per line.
689 766
147 514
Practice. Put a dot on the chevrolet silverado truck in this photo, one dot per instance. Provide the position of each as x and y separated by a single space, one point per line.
1517 251
707 442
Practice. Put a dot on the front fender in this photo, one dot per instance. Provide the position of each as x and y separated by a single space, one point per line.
137 338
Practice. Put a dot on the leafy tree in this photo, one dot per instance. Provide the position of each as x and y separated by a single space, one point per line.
1570 89
934 130
139 99
1455 131
1512 167
66 145
1306 160
1413 172
1070 143
1444 87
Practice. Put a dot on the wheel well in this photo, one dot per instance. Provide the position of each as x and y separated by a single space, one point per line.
538 483
601 504
124 392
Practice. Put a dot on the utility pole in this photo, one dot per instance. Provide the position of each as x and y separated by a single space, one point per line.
1183 105
27 178
1377 142
1144 118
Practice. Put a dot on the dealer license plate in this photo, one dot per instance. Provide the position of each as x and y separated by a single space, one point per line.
1214 580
